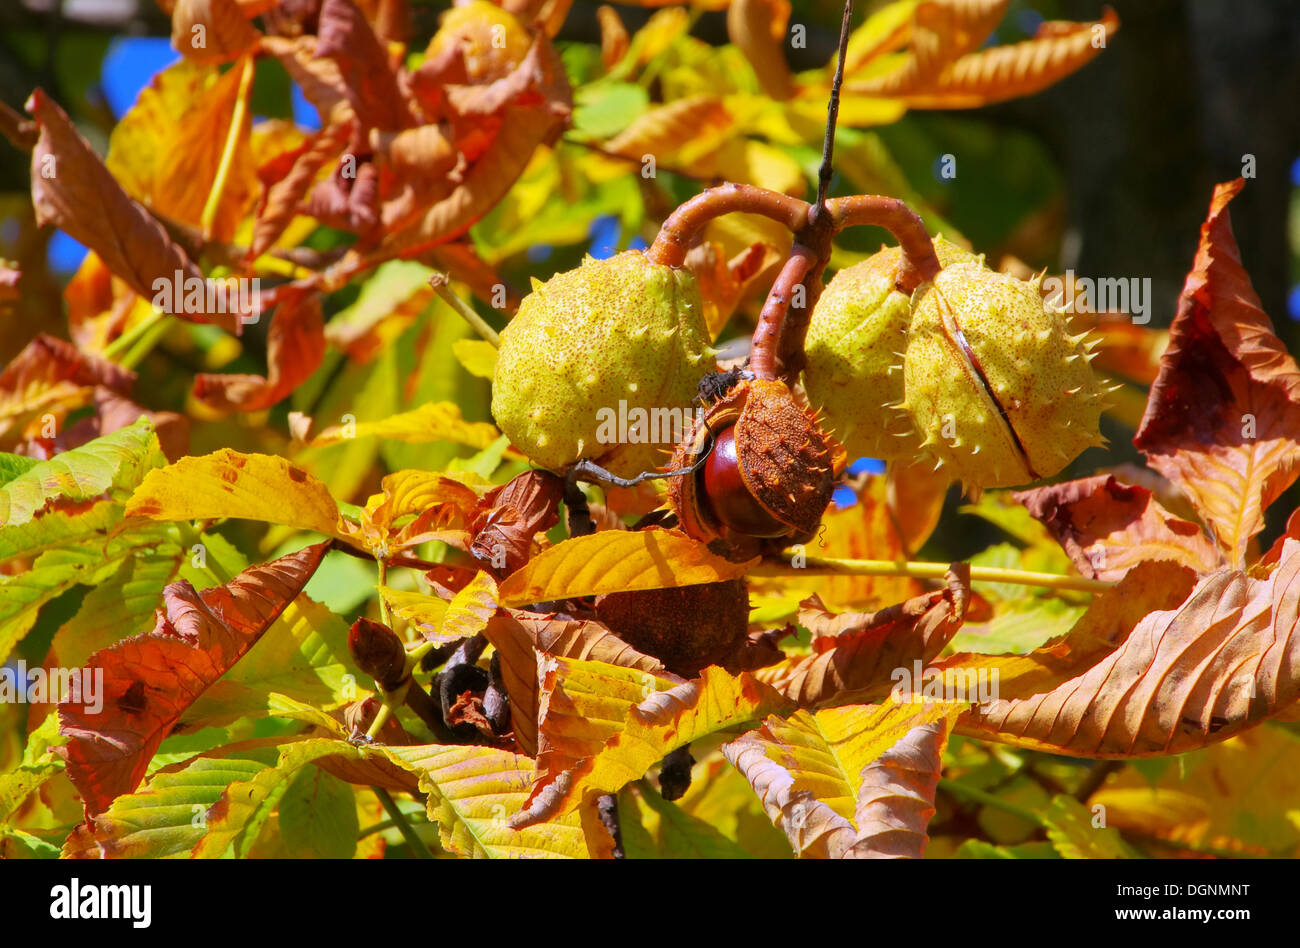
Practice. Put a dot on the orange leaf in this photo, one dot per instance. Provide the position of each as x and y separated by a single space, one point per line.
149 680
1107 527
211 31
295 347
50 375
1223 415
758 27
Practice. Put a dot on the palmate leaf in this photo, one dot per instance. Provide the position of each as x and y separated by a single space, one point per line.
617 561
227 483
854 781
654 828
1223 416
657 725
150 680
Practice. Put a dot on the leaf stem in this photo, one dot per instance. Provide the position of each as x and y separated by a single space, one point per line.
439 282
233 134
124 345
818 565
403 825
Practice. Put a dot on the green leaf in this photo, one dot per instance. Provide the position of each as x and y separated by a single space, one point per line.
114 463
604 109
1071 830
11 465
318 817
672 832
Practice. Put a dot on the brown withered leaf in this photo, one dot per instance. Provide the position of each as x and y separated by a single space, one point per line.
369 82
511 516
114 411
940 33
211 31
320 77
72 190
282 196
996 74
295 346
1223 416
1223 660
1107 527
1112 615
854 655
149 680
51 375
896 799
520 637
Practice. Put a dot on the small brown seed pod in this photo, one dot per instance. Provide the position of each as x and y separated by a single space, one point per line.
769 473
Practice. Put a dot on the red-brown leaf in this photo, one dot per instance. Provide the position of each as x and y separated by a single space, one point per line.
1223 415
149 680
1107 527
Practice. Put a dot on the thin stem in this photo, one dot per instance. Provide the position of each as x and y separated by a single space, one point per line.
384 615
466 312
233 134
684 224
919 261
403 825
819 565
833 108
126 342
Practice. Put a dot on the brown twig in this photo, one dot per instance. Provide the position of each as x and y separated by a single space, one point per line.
684 224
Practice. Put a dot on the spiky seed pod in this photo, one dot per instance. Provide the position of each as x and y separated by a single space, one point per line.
854 371
615 340
770 471
686 627
1000 389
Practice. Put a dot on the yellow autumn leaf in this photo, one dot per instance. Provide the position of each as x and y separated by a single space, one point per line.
473 791
617 561
433 421
230 484
478 356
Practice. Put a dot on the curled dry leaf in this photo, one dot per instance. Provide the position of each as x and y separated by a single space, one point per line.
510 518
150 680
1184 677
295 346
1224 413
282 196
991 75
849 782
854 656
211 31
368 80
1107 527
72 190
613 36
